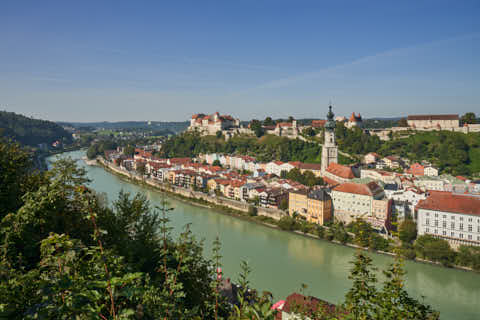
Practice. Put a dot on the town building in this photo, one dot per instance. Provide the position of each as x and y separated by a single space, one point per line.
329 148
354 121
430 171
449 216
371 158
315 205
365 201
337 173
211 124
434 121
393 162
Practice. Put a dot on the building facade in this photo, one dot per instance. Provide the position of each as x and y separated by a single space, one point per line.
452 217
315 206
434 121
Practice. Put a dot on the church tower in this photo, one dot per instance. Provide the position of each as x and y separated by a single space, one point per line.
329 149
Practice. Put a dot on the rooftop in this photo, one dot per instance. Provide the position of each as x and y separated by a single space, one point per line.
341 171
449 202
368 189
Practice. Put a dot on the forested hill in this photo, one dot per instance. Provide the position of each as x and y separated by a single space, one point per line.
30 131
150 125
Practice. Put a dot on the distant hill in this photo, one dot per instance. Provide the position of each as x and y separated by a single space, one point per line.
31 132
152 125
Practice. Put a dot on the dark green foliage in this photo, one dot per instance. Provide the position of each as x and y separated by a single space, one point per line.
15 172
468 256
355 141
31 132
265 149
407 232
365 301
99 148
438 250
288 223
469 118
256 126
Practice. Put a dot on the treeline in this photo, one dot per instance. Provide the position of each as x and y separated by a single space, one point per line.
67 254
265 149
31 132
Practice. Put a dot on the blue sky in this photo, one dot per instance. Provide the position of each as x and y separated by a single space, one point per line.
165 60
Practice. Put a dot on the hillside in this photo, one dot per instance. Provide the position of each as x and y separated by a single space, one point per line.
30 131
174 127
265 149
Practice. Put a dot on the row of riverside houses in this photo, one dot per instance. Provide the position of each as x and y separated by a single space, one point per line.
354 192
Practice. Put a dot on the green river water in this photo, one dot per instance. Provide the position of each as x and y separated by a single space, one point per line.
282 261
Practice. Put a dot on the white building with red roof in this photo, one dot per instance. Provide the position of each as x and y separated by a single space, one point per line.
449 216
210 124
354 121
365 201
339 173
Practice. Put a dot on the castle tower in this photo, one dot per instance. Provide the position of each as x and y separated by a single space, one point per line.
329 149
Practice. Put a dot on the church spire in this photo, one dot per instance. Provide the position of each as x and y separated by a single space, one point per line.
330 125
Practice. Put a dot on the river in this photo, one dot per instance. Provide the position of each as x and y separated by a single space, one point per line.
282 261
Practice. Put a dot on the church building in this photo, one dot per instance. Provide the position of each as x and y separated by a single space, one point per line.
329 149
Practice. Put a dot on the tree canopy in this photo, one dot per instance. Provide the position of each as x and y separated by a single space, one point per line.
29 131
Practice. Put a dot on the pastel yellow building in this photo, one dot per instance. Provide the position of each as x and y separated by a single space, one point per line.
315 206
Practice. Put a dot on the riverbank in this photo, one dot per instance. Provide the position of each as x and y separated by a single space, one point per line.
188 196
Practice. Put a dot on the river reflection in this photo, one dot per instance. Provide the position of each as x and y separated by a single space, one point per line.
282 261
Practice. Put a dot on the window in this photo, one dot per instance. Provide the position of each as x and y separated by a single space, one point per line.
444 232
453 217
453 225
436 231
461 235
428 213
461 218
444 217
469 237
444 224
452 234
461 226
436 215
427 230
427 222
469 228
436 223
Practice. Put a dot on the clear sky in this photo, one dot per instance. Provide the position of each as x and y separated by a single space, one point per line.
165 60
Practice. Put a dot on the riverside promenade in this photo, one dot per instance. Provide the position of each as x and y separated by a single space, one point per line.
188 193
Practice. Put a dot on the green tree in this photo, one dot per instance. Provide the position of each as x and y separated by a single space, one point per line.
15 172
268 122
469 118
283 204
257 128
407 231
129 151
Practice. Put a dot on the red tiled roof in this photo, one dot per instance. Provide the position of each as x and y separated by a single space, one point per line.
369 189
278 163
449 202
355 118
309 305
284 124
374 154
318 123
296 164
330 181
340 171
433 117
310 166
